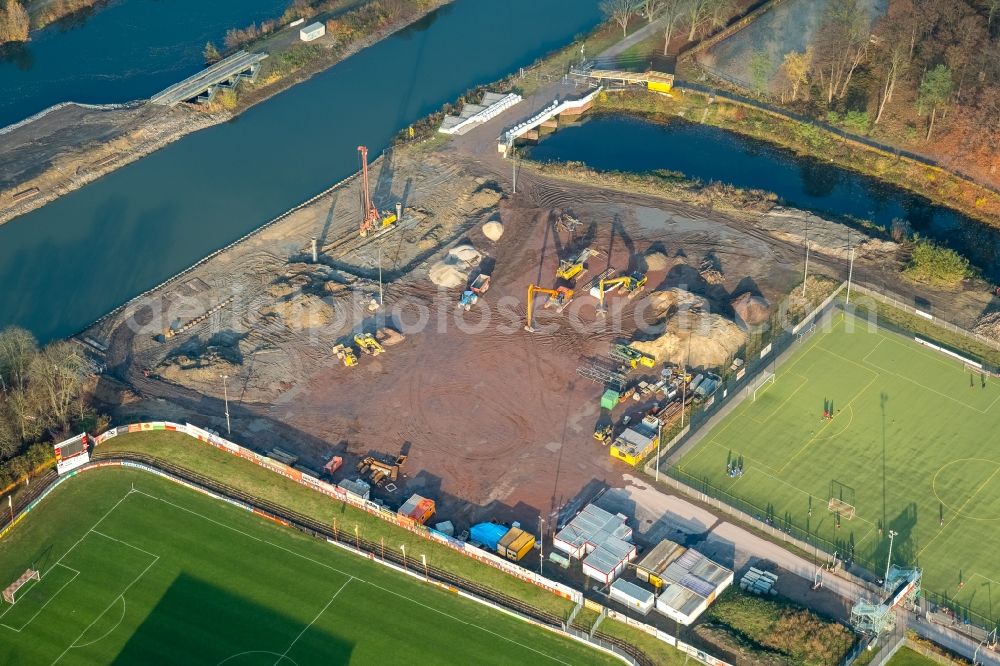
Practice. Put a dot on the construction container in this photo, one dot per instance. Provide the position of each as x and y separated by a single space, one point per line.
487 534
358 487
610 399
516 544
312 31
446 528
417 508
333 465
633 596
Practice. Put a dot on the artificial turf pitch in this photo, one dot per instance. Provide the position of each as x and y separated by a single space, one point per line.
139 570
913 435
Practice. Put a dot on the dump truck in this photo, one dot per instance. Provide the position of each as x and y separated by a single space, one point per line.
471 295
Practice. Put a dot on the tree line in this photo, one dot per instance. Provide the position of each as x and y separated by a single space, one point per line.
697 17
43 397
921 63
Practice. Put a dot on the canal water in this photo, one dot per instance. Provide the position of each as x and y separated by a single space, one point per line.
712 154
121 51
71 261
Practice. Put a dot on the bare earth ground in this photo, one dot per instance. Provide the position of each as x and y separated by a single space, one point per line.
496 421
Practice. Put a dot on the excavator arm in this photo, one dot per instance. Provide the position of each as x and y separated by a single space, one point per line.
608 282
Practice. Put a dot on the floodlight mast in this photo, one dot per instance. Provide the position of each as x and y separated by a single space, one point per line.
885 581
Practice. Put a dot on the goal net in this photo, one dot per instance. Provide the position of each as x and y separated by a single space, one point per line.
765 379
806 332
841 500
10 592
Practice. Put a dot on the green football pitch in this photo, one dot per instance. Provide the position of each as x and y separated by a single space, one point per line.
139 570
912 445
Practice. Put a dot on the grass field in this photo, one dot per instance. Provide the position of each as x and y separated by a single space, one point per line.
912 445
139 570
907 657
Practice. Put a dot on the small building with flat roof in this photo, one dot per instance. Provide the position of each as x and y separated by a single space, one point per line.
690 583
600 539
635 597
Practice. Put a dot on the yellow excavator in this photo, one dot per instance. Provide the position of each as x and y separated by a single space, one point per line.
345 354
570 268
558 298
631 285
367 343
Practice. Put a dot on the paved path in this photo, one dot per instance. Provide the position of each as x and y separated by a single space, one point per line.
630 41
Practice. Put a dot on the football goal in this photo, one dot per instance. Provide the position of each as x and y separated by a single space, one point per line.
758 385
806 332
10 593
841 500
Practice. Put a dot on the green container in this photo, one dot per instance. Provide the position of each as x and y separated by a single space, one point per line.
610 399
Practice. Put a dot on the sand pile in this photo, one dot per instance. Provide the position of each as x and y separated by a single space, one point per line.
714 340
670 300
205 367
751 310
493 230
301 312
453 270
657 261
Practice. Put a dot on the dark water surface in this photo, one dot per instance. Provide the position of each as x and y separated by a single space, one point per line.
713 154
68 263
120 51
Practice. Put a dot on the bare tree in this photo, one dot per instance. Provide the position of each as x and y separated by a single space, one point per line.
25 415
651 9
57 376
620 11
671 12
696 11
893 60
17 348
841 46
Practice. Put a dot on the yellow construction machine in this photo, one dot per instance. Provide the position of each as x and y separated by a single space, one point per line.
345 354
558 298
631 285
379 471
367 343
571 268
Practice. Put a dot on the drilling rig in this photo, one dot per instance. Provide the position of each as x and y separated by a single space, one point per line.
371 221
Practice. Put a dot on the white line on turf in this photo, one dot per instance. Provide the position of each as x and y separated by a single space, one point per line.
106 609
108 632
47 601
332 568
312 622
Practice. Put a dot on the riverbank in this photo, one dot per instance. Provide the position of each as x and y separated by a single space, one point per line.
934 183
73 145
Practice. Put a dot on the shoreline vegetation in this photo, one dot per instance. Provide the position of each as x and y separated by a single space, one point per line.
936 184
351 30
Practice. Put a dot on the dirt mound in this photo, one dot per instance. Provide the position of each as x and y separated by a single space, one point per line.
301 312
752 310
670 300
493 230
657 261
714 340
989 325
453 270
201 368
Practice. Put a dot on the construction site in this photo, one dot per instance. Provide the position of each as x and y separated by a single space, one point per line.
514 349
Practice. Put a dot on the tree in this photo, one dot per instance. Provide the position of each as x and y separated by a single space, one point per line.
935 89
695 12
841 45
671 12
56 378
211 53
651 9
14 22
17 348
620 11
795 71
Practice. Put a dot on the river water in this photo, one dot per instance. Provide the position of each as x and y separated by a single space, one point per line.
71 261
122 51
712 154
